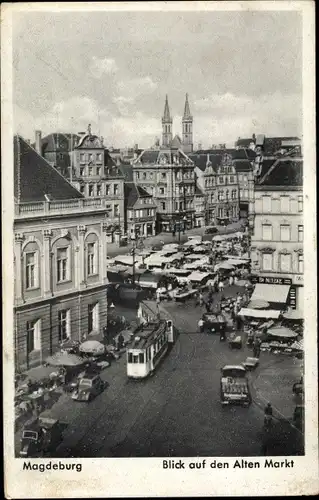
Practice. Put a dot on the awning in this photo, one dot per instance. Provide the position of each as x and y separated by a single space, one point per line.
271 293
282 331
195 276
259 313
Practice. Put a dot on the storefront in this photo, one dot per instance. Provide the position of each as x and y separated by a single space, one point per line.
275 290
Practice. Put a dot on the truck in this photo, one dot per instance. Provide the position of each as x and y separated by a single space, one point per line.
234 387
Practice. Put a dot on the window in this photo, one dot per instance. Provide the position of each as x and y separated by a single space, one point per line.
266 201
82 188
245 178
227 194
107 189
93 317
300 233
91 259
231 179
116 210
82 157
267 232
163 175
221 179
130 357
284 204
99 157
285 262
98 190
300 263
33 335
98 171
151 175
91 190
267 261
62 264
64 324
90 156
284 232
82 169
141 357
300 204
220 195
162 190
233 194
245 193
31 270
90 170
116 189
163 205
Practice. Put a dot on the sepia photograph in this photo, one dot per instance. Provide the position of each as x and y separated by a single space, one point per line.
158 244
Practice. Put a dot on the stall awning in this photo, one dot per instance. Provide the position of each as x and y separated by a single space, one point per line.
259 313
271 293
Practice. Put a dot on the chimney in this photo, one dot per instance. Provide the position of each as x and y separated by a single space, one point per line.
254 137
136 147
38 147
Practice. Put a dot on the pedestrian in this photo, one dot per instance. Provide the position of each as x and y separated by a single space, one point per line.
208 306
201 325
231 280
201 299
221 286
216 286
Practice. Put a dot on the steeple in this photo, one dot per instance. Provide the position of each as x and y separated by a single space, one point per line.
187 113
167 123
187 128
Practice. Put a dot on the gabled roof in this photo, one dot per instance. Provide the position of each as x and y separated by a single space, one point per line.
34 177
242 165
176 142
133 192
284 172
154 156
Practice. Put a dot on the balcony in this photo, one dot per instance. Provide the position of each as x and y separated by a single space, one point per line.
60 207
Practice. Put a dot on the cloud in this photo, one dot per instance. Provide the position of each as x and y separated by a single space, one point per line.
134 87
100 67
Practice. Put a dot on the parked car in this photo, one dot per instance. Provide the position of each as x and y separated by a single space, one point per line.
211 230
88 387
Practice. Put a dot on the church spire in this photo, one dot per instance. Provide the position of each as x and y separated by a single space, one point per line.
167 115
167 122
187 113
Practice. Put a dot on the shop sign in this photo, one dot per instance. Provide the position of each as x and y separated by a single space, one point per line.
298 279
272 280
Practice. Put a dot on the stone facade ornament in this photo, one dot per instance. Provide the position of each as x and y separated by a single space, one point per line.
19 237
47 233
81 229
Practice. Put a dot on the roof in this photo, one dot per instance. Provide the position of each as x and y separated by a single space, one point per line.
154 156
147 334
176 142
243 166
273 144
201 160
198 191
127 171
284 172
34 177
133 192
244 143
58 141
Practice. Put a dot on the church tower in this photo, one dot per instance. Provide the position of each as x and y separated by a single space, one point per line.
167 124
187 126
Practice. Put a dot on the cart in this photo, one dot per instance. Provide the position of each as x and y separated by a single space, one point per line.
235 341
251 363
216 323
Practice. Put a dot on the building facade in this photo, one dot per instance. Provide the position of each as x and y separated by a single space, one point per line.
277 240
60 250
56 148
97 175
140 212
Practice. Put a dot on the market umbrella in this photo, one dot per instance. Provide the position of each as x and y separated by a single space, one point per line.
225 266
65 359
282 331
259 304
293 315
217 238
92 347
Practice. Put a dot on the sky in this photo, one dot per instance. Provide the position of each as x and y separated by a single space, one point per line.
242 71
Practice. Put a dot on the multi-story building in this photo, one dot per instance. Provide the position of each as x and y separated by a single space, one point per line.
277 240
60 251
269 145
56 148
97 175
140 209
217 177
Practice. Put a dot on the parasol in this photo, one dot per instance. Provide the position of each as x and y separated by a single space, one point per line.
225 266
259 304
92 347
293 315
281 331
65 359
217 238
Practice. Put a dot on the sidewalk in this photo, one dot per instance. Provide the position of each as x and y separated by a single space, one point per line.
113 249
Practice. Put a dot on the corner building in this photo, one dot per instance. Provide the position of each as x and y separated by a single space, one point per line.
60 252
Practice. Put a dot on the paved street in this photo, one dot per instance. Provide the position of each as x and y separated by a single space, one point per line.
177 412
113 249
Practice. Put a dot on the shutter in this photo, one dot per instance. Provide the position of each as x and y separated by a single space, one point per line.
36 268
68 323
69 263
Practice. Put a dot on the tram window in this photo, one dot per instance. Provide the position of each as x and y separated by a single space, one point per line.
149 353
130 357
141 357
135 358
146 353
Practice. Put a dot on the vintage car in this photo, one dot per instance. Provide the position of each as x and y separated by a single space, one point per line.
40 435
211 230
89 386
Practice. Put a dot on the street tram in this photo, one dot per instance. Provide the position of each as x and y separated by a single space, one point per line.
148 348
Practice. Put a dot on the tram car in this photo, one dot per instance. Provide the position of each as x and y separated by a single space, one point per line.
149 346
